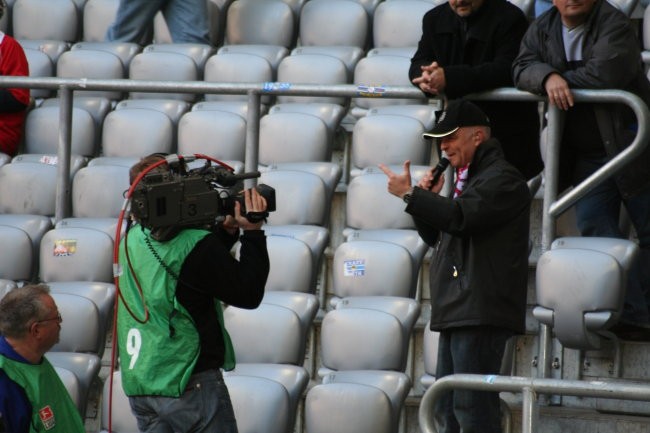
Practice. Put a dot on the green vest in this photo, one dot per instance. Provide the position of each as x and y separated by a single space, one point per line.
157 357
52 408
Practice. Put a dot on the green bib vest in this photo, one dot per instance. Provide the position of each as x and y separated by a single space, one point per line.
157 357
52 408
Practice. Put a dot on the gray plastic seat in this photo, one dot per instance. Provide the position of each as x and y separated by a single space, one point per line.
289 253
17 265
98 15
76 254
218 134
388 139
45 19
579 295
40 65
233 67
42 126
260 404
80 326
398 24
122 419
71 384
266 23
137 132
372 268
35 226
271 53
312 69
93 64
293 137
126 51
85 369
199 53
98 191
425 113
163 66
28 188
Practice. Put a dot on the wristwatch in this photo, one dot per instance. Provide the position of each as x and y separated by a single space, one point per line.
407 197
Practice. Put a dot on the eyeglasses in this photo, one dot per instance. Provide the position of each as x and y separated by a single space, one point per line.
58 318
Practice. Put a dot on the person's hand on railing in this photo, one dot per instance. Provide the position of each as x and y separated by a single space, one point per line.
558 91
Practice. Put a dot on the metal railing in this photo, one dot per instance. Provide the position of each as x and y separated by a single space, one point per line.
552 207
531 388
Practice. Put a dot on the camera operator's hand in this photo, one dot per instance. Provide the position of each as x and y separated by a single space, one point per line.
255 203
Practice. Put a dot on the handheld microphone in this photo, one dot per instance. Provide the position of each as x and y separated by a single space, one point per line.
438 170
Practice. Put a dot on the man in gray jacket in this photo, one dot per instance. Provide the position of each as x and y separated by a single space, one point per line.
590 44
479 269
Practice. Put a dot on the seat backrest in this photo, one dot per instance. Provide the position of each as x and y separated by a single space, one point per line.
360 336
98 15
98 191
300 197
45 19
623 250
579 294
163 66
374 72
268 334
289 253
17 263
266 23
71 384
425 113
350 28
293 137
93 64
126 51
136 132
85 368
260 404
369 205
199 53
76 254
28 188
272 53
312 69
388 139
40 65
42 127
34 225
367 268
347 408
218 134
399 24
80 326
122 419
237 68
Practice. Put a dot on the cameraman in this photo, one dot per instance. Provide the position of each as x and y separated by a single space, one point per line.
171 338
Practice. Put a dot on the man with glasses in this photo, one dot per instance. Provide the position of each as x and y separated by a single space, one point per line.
32 396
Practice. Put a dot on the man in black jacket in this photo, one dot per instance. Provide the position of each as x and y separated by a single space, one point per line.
592 45
478 274
468 46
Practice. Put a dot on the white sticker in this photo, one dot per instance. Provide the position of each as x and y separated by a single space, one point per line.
354 268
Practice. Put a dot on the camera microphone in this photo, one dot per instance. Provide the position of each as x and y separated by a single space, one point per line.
438 170
227 178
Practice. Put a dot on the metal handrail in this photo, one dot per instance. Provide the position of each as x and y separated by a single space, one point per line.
530 388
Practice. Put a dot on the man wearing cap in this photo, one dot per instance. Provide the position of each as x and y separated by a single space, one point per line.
478 272
467 46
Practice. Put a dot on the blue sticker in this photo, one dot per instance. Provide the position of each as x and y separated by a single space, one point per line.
354 268
371 91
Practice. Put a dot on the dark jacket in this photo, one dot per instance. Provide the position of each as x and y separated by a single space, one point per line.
612 60
477 54
479 270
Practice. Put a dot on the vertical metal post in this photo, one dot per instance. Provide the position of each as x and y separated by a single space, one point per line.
551 171
62 203
530 414
252 136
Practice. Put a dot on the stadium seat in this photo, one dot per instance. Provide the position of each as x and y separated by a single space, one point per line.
35 226
430 356
233 67
372 268
94 64
98 191
52 48
312 69
85 369
137 132
216 12
300 197
286 253
80 326
163 66
364 345
122 419
45 19
374 72
98 15
199 53
425 113
42 127
76 254
126 51
388 139
28 188
260 22
272 53
260 404
399 24
580 288
293 137
345 37
71 384
40 65
219 134
18 265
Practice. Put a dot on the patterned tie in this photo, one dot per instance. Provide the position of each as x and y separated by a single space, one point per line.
461 179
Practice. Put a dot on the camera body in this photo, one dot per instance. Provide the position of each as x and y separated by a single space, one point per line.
179 198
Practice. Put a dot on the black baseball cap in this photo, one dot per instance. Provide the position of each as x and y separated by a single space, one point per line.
459 113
